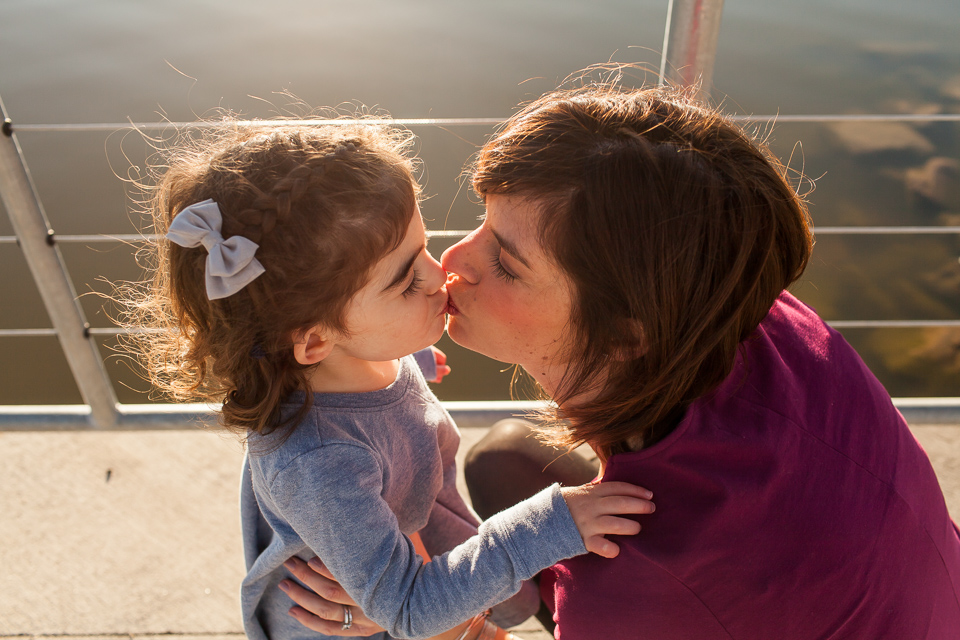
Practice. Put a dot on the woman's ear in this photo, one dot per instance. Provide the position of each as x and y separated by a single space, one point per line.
312 345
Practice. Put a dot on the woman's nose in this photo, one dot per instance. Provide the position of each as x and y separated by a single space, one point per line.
457 260
436 276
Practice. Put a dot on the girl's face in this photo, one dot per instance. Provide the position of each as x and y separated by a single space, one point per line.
401 309
507 299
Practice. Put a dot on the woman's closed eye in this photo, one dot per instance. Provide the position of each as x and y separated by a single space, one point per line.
415 285
500 271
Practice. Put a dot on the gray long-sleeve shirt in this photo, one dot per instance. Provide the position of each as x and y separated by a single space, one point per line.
359 473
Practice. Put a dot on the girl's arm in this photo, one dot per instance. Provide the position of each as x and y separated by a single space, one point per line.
342 516
433 364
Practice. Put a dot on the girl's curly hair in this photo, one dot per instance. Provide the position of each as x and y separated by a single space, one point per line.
323 202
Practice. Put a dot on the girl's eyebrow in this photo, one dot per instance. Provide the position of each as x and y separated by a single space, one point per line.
510 248
403 271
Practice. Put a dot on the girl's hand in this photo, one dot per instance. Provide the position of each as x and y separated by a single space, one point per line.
442 368
322 608
595 508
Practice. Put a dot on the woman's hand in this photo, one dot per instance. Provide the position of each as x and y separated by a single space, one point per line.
322 609
595 508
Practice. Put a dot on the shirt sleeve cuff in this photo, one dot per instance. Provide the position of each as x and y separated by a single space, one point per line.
538 532
428 363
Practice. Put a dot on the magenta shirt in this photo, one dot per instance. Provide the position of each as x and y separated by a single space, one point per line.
792 503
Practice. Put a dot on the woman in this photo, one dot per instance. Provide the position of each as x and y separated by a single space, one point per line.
633 260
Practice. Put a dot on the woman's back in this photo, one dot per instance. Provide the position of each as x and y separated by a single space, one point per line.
794 503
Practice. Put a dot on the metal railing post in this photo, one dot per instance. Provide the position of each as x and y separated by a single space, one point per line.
49 272
690 44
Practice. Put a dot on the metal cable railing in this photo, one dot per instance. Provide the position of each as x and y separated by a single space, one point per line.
689 48
459 233
150 127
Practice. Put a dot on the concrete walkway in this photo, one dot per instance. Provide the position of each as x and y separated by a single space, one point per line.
127 534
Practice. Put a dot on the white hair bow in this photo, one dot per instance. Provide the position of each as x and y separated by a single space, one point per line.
231 264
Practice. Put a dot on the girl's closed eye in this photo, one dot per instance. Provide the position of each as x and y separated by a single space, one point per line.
500 271
415 285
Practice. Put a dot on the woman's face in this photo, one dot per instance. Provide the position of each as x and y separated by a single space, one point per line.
507 299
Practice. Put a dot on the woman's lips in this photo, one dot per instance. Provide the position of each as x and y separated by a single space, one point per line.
452 280
451 308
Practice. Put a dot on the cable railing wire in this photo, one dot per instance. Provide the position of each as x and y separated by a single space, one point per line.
151 127
150 237
460 233
108 332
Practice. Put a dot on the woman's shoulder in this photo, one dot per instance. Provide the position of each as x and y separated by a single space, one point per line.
796 355
796 375
795 327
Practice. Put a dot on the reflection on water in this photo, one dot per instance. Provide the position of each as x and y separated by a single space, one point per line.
109 61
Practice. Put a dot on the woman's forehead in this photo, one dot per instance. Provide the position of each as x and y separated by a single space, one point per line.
514 221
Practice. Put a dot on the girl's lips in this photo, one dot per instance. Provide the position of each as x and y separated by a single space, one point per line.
442 311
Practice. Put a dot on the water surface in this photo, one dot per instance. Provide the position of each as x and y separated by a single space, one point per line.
117 61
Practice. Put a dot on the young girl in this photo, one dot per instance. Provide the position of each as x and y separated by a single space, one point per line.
294 285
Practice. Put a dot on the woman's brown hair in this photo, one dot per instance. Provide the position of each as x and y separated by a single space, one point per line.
678 232
324 204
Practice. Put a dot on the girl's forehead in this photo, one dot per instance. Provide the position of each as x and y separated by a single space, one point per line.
393 268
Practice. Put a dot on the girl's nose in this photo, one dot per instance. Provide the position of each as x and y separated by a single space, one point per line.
457 260
435 276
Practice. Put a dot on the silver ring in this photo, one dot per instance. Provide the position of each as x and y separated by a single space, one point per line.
347 618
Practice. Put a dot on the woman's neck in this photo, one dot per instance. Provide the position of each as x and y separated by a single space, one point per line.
551 378
343 374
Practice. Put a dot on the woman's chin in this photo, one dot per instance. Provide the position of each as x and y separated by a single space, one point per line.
453 331
457 333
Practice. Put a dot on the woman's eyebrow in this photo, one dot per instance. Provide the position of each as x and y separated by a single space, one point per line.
403 271
510 248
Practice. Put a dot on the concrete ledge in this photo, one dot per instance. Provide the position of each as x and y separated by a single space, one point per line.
143 417
125 534
135 534
929 411
162 417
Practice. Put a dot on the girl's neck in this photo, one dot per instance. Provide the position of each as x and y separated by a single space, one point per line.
343 374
